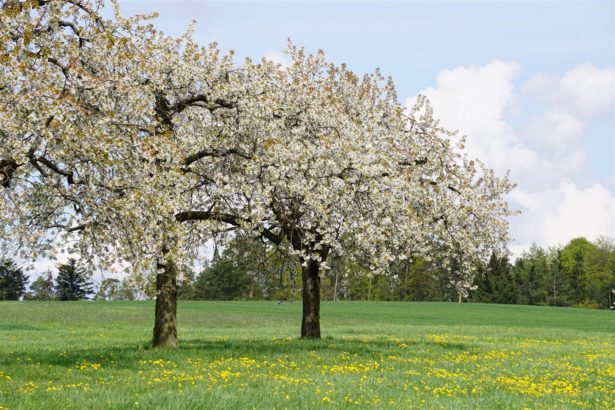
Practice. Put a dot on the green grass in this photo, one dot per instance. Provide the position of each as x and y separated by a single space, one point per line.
247 355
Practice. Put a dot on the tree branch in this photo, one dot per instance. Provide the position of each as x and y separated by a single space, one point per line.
434 183
76 228
34 160
231 219
7 168
92 14
58 64
75 30
189 160
190 101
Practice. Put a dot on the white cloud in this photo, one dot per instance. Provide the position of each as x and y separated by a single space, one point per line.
553 130
591 90
555 216
472 100
573 100
543 154
44 265
542 87
583 91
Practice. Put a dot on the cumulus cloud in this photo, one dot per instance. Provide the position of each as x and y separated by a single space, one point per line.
553 130
471 100
585 90
591 90
557 215
573 100
542 152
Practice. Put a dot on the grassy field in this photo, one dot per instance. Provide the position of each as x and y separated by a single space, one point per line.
237 355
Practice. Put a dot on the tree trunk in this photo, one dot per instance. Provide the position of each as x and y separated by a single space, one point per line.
335 288
406 281
165 325
310 325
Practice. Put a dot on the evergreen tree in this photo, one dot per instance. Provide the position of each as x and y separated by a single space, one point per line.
557 280
42 288
233 273
71 282
12 281
222 281
484 286
521 282
538 277
186 289
577 271
495 281
421 281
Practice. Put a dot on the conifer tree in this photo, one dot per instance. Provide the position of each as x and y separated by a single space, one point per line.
12 281
72 283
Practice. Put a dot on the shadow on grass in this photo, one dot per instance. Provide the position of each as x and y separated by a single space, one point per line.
128 356
329 344
18 326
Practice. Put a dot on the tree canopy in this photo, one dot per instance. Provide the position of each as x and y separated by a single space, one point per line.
42 288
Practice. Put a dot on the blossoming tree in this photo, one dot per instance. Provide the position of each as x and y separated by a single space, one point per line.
140 147
101 119
335 164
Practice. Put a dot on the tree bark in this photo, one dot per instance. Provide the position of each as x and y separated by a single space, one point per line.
165 325
335 288
310 325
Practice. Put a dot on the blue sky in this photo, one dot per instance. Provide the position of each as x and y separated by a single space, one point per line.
411 41
532 84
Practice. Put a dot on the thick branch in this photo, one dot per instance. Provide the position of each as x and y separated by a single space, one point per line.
212 153
7 168
227 218
190 101
207 216
92 14
410 163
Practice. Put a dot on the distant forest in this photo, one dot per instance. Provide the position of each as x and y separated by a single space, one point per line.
580 274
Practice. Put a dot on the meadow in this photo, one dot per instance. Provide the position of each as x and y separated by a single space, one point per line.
236 355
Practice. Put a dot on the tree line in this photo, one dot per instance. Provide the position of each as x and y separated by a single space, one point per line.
70 283
579 274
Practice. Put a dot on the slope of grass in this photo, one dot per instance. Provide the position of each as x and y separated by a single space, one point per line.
247 355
